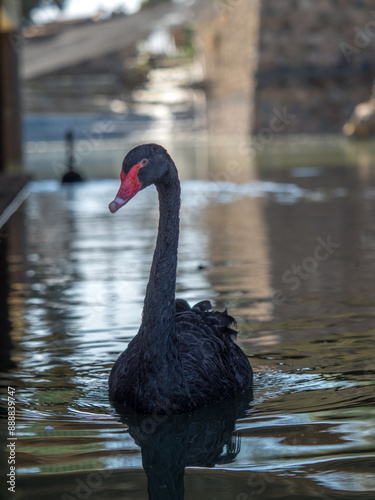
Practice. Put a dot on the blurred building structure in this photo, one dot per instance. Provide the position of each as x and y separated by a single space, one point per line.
268 66
291 66
76 65
11 179
10 114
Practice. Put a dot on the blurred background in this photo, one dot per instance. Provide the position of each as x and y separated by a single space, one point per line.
255 74
268 109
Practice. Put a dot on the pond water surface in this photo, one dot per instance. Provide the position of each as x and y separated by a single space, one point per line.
289 251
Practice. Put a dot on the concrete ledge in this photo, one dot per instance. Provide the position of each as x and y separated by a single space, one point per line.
13 192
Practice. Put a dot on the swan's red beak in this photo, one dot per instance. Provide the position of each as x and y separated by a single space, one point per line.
129 187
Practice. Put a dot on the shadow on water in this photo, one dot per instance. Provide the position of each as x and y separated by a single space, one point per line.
204 438
5 325
12 273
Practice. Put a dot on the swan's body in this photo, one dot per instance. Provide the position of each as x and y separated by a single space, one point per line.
181 358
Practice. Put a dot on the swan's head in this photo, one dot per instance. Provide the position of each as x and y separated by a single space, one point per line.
142 166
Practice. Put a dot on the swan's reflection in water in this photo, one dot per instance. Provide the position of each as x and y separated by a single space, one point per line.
169 443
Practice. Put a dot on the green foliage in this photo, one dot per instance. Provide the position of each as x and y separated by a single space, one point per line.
150 3
189 48
29 5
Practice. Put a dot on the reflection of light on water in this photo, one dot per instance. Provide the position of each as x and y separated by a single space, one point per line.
165 95
271 384
161 112
349 481
306 172
228 192
118 106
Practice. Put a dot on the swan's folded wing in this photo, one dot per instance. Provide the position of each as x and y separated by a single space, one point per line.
212 362
181 306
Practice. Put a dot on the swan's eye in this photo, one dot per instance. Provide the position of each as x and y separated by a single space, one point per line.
144 162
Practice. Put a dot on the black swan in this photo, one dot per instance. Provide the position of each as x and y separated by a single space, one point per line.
182 358
71 176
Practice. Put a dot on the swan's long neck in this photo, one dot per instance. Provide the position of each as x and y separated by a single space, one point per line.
160 371
159 305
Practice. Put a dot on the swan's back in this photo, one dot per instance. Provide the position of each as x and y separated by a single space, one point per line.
210 365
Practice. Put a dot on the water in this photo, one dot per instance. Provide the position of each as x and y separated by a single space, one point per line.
289 251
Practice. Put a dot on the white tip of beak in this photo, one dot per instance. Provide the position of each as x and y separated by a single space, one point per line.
116 204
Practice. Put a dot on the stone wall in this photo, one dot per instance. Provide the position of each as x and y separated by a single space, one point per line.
313 59
227 41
